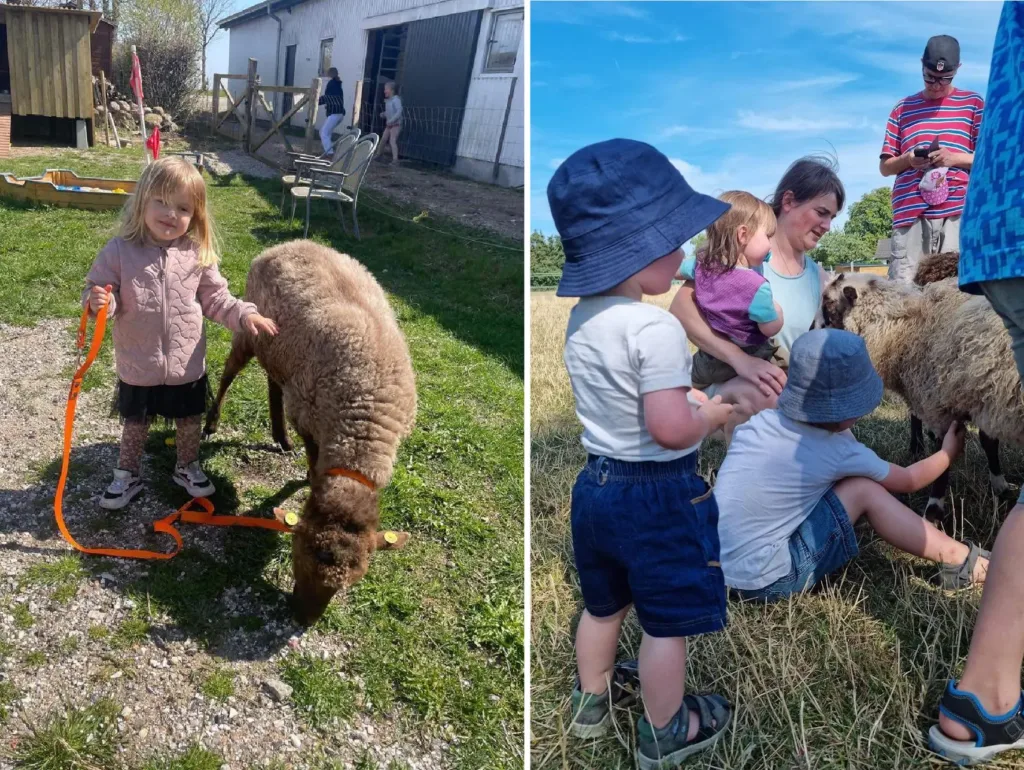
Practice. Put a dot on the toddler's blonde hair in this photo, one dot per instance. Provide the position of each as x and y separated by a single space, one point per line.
722 250
166 177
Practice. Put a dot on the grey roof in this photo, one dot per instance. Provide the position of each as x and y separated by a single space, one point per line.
884 249
254 11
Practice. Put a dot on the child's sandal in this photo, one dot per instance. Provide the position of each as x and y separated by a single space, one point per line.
993 734
954 577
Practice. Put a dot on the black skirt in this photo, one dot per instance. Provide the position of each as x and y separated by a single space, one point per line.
168 401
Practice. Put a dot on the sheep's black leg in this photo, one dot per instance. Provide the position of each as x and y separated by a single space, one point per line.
312 454
237 359
995 472
916 436
935 509
278 426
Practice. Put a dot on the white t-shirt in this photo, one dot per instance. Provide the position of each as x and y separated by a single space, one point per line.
773 476
617 350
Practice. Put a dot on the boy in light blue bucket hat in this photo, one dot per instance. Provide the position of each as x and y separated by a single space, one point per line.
643 521
785 531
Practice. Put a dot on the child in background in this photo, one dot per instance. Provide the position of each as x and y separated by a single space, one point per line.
643 521
795 480
734 298
163 270
392 122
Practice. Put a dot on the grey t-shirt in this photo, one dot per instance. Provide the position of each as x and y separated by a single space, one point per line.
773 476
616 351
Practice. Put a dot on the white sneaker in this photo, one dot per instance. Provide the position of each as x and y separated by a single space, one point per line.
122 489
191 477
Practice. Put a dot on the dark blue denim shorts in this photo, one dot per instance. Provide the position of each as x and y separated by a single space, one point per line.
647 533
821 545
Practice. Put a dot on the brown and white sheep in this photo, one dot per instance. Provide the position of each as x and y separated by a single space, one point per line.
340 369
946 353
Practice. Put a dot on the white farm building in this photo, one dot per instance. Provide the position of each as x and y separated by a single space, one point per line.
458 67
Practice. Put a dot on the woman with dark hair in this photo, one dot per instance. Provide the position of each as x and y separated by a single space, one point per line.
806 200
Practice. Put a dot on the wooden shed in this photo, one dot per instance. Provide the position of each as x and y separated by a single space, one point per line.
49 67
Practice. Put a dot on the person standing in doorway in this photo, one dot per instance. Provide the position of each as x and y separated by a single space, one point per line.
333 100
393 122
929 146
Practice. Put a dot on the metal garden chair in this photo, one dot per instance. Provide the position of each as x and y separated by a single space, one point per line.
342 154
339 186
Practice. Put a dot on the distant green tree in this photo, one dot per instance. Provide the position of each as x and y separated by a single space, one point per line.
699 240
546 259
841 248
871 216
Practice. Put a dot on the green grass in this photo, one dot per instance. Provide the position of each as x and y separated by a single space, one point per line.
321 697
35 658
98 632
846 677
22 616
219 684
8 694
447 608
80 739
194 758
62 575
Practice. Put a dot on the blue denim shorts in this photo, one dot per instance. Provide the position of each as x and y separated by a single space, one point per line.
821 545
647 533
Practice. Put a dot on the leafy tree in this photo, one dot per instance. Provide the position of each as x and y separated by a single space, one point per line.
546 259
840 248
871 216
698 240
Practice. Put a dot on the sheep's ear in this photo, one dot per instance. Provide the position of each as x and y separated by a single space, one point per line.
838 279
850 293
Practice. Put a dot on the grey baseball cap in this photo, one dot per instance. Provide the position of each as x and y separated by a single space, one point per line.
942 54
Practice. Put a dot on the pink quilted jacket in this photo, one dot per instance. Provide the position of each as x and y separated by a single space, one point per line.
159 298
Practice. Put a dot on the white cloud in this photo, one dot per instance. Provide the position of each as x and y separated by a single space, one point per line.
794 125
577 81
824 82
646 39
709 183
554 163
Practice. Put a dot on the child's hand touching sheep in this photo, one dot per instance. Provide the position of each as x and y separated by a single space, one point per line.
255 323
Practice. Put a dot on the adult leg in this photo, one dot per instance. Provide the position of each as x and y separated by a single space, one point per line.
949 235
900 526
992 671
907 248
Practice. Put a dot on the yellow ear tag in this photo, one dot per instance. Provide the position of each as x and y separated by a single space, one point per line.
169 441
390 537
291 519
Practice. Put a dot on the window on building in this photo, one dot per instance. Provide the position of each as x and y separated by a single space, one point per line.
503 43
326 46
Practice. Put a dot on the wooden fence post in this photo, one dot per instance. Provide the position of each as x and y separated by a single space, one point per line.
314 97
106 111
504 125
249 96
357 104
254 105
216 96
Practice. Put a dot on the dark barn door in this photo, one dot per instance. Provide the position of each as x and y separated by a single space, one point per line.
433 67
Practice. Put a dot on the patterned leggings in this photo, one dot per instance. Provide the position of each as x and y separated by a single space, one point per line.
136 429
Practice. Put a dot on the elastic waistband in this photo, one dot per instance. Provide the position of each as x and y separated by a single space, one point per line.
648 470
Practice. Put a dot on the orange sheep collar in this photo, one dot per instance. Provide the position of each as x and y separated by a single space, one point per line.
352 475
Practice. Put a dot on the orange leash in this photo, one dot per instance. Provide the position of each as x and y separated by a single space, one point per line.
165 525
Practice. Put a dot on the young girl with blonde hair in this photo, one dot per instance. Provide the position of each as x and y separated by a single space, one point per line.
733 296
162 268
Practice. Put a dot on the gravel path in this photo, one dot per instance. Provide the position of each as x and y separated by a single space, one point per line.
159 680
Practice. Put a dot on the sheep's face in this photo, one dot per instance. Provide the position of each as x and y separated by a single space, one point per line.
332 545
837 301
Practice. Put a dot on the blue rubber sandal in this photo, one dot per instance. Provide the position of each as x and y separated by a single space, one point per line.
993 734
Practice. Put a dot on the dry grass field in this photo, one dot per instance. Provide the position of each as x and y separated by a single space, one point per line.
845 677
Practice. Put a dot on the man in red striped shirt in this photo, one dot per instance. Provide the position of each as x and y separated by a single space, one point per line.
941 116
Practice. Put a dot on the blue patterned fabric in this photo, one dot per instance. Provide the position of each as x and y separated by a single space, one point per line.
992 228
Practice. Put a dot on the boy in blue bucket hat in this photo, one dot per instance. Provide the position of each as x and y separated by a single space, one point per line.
643 521
793 525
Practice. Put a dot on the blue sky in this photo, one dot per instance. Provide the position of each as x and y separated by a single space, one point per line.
734 92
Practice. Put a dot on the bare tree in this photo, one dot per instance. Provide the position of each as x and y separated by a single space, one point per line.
208 13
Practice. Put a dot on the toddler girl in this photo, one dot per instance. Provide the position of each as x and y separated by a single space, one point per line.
163 272
731 293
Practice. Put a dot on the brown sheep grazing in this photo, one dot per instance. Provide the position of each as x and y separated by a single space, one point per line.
340 369
944 352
